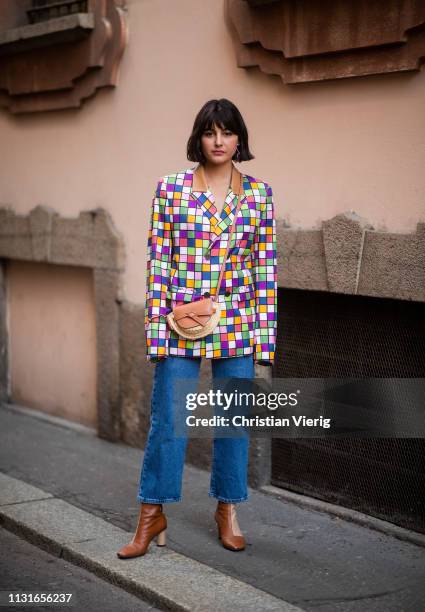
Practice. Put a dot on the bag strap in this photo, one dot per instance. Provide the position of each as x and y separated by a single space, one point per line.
223 264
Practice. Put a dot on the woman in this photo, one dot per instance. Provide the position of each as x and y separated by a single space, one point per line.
191 216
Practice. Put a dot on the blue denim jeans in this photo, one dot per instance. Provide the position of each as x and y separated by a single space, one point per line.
164 456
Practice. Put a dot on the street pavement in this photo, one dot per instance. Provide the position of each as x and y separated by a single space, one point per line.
27 568
297 557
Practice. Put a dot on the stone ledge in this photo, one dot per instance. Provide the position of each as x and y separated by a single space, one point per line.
90 240
346 255
45 33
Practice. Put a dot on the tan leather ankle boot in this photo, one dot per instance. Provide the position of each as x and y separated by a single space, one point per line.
228 528
152 522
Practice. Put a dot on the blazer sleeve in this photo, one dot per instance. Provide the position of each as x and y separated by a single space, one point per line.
265 279
159 256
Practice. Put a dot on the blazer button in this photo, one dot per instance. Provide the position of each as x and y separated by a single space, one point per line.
207 294
227 293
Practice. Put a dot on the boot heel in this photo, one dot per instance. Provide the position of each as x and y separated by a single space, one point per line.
161 538
228 529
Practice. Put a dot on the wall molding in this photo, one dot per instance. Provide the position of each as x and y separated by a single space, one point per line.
346 255
58 63
311 41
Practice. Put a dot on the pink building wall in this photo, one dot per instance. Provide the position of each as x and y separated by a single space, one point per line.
353 144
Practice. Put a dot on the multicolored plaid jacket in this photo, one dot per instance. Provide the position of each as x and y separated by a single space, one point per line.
186 243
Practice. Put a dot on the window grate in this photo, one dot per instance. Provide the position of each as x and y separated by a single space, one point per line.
345 336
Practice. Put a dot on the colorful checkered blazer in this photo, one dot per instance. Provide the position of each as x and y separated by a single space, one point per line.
187 240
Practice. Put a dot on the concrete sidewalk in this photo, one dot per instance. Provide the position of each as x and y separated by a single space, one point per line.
74 494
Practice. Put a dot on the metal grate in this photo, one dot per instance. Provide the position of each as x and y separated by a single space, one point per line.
343 336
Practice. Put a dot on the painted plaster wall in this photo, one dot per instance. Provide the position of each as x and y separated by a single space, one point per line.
354 144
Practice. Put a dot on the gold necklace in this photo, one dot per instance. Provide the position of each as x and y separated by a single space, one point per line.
205 178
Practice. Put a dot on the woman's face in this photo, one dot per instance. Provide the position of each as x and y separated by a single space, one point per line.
218 145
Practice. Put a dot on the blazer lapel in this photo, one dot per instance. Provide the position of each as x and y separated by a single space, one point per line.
219 221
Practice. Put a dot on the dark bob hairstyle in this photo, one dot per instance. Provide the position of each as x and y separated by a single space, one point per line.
226 116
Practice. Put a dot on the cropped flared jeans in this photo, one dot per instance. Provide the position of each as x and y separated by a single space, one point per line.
164 456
